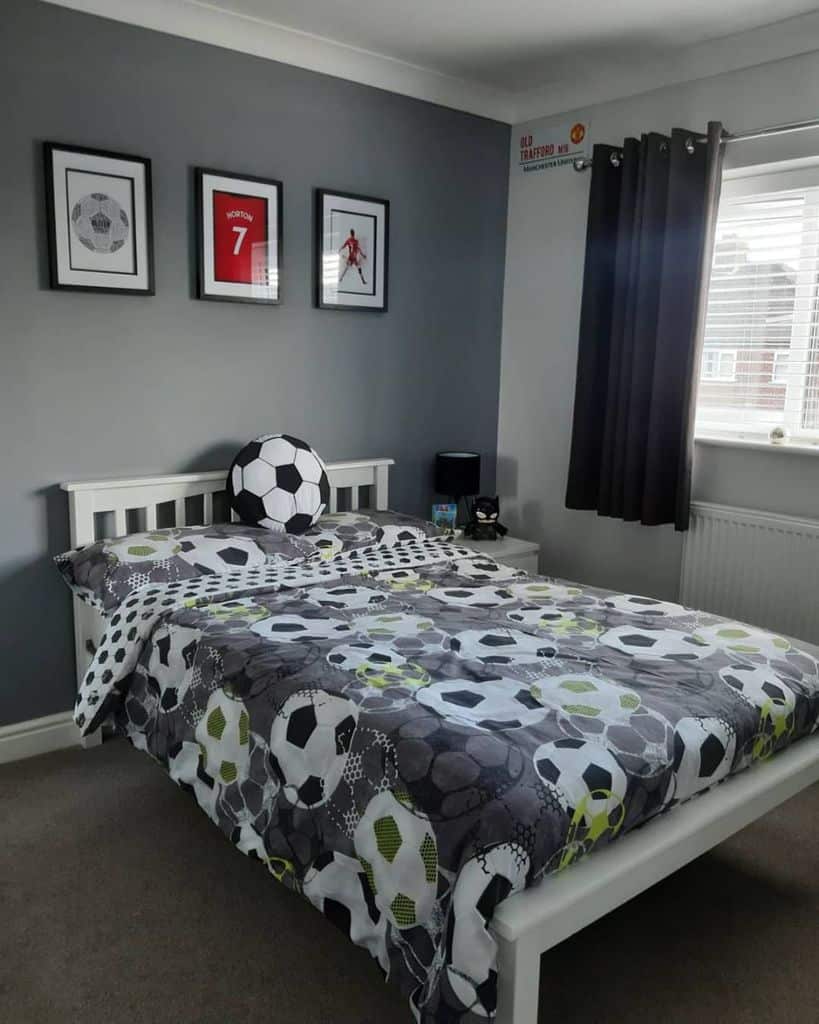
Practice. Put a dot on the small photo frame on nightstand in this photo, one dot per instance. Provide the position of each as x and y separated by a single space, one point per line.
445 517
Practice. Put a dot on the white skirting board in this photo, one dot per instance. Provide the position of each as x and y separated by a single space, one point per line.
39 736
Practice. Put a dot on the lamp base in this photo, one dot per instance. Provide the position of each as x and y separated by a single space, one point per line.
457 499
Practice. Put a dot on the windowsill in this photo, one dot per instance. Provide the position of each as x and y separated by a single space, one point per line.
793 447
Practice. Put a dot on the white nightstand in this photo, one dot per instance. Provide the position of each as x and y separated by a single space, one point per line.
522 554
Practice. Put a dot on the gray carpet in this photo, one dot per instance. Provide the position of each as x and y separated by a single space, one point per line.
121 902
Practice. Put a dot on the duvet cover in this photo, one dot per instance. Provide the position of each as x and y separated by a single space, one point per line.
407 735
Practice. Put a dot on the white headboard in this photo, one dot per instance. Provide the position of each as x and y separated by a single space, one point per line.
100 508
142 496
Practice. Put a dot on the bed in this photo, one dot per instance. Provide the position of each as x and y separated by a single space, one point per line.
490 730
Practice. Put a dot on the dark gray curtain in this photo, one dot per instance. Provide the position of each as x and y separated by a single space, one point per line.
652 210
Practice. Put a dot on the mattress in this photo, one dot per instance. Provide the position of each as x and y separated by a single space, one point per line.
407 735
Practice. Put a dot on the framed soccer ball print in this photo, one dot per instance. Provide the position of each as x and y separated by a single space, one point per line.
100 230
352 246
240 237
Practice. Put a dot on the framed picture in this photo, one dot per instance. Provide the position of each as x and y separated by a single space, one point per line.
352 246
240 237
100 229
445 517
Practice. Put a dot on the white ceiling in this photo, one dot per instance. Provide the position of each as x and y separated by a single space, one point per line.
517 44
510 59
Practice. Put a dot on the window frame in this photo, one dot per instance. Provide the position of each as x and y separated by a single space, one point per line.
719 377
746 182
776 374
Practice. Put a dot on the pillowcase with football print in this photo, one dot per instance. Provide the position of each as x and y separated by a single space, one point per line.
345 531
104 573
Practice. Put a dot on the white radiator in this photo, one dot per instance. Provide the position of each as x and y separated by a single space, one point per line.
753 566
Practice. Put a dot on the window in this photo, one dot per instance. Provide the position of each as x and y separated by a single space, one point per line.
760 362
719 364
779 373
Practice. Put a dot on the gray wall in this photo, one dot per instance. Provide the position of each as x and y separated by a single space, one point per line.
544 278
95 385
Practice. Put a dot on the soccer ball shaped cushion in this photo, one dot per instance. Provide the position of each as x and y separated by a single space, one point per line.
279 482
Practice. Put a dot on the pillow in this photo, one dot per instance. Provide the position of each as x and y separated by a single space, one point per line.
279 482
104 573
344 531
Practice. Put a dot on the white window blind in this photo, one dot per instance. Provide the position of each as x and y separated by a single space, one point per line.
760 364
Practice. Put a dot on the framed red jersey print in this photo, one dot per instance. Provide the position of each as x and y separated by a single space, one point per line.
240 237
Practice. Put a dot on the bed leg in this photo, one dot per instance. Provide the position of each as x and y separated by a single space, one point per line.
518 981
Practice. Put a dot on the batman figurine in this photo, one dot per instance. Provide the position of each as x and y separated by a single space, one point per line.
483 521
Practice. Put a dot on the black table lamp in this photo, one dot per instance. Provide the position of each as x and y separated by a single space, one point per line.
457 474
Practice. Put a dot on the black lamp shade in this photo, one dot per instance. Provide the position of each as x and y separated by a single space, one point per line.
457 473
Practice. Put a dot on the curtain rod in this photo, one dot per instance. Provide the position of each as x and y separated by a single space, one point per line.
584 163
777 129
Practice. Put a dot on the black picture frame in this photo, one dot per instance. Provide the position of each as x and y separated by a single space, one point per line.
321 300
202 290
56 257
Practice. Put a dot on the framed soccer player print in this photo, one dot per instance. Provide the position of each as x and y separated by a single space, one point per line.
352 245
100 231
240 237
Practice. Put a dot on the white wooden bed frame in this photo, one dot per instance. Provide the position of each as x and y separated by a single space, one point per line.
528 923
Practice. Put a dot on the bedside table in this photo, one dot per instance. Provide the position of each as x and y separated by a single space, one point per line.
521 554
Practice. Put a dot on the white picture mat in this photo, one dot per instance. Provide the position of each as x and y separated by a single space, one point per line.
233 289
332 240
66 159
366 233
80 184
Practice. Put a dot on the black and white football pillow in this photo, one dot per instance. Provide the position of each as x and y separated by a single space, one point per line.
279 482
